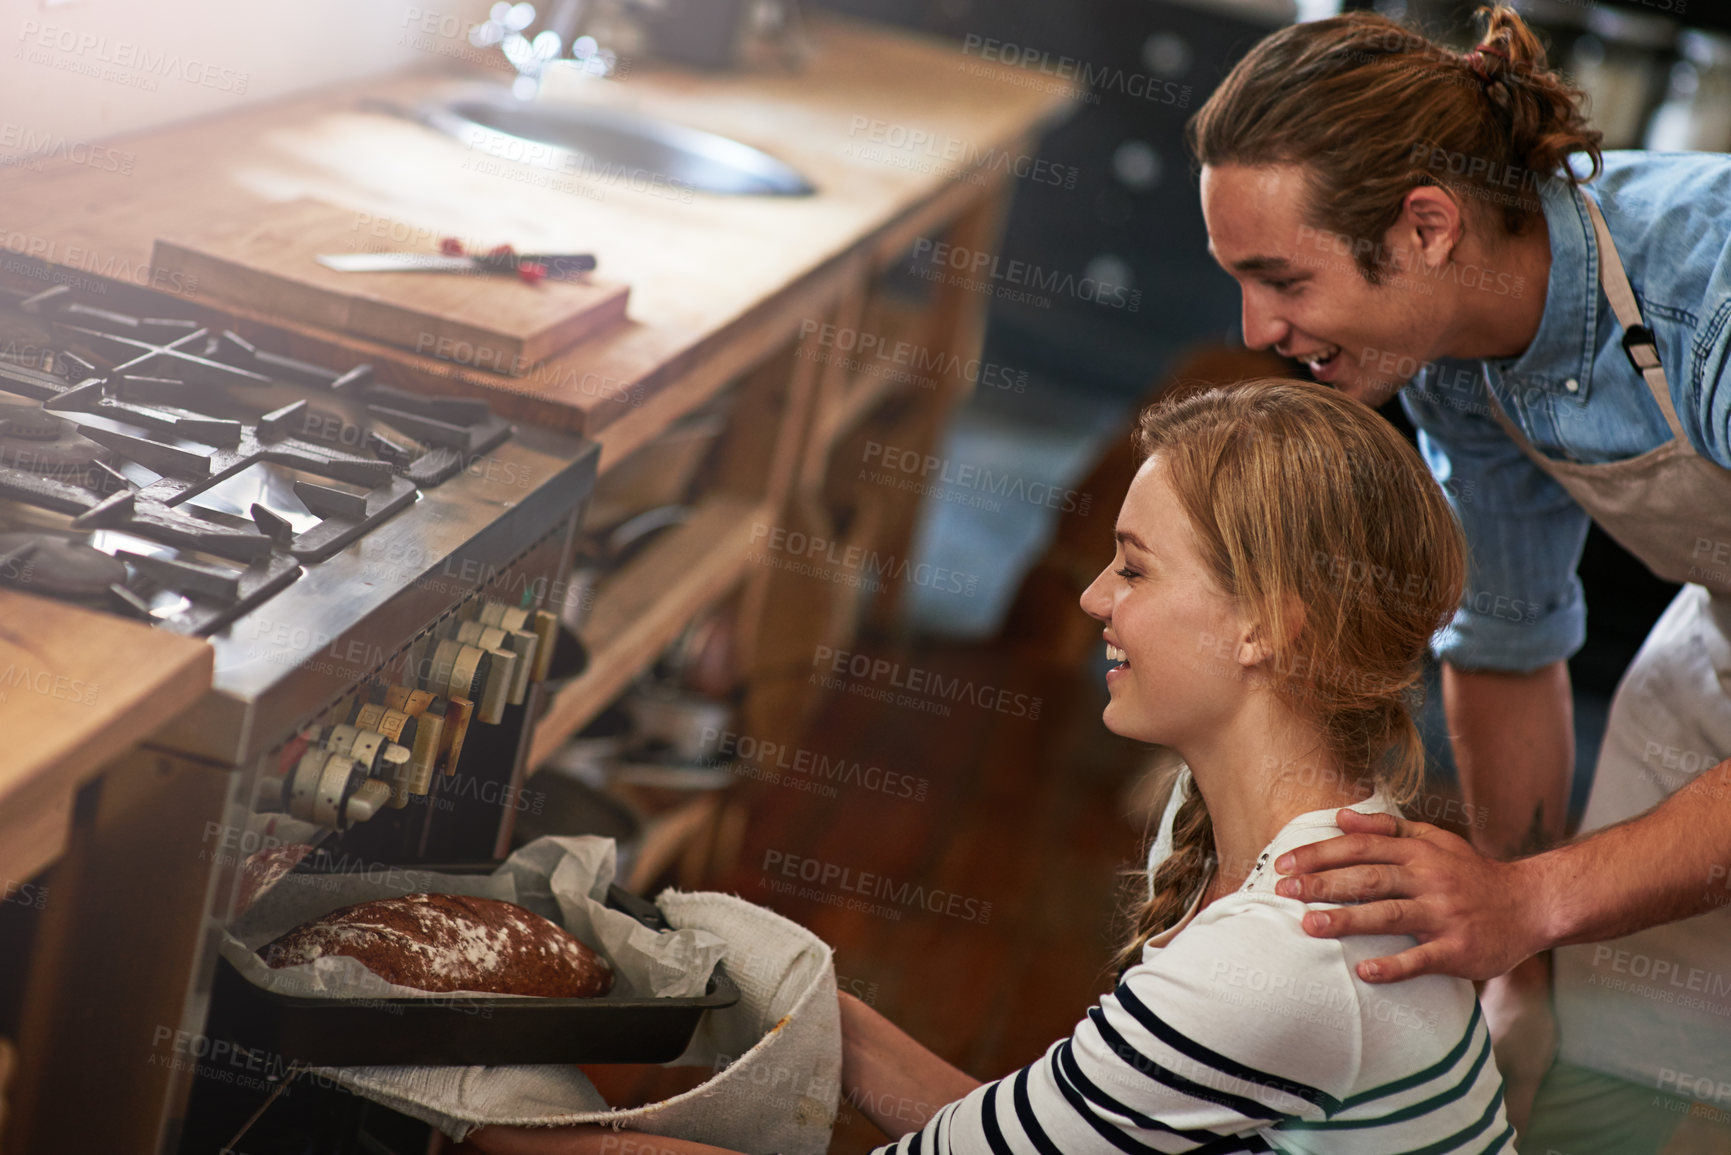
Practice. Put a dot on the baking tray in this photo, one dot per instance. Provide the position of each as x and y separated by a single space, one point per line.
471 1030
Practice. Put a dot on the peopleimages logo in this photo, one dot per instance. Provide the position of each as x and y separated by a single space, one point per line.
1094 77
910 146
106 266
766 760
1014 280
854 564
924 689
31 147
86 53
876 886
899 459
1328 244
47 684
923 361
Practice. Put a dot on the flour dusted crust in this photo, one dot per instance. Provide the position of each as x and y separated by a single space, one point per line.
451 942
265 868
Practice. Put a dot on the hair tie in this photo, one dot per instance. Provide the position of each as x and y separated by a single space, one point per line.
1475 60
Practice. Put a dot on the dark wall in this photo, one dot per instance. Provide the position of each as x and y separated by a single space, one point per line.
1127 212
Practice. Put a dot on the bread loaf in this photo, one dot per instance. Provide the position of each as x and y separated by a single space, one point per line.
451 942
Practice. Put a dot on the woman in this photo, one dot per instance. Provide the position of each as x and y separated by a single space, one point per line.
1398 213
1283 561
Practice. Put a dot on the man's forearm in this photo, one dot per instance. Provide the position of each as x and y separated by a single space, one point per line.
889 1076
1672 862
1514 745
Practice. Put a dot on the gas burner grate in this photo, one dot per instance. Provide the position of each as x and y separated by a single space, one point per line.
146 428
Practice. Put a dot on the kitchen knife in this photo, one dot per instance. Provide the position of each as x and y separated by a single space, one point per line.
558 266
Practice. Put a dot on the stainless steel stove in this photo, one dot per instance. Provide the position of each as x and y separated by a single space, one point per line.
310 522
380 575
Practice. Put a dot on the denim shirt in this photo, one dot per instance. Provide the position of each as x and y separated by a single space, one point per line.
1577 398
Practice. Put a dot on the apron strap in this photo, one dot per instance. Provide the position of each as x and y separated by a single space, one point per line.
1637 338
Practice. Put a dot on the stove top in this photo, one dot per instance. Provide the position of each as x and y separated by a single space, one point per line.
310 523
167 471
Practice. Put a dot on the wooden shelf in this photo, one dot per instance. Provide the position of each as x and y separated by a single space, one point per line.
640 610
862 396
849 396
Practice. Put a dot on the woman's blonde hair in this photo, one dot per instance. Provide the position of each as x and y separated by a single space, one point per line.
1321 521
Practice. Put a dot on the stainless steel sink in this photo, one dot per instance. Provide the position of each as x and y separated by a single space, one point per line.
611 145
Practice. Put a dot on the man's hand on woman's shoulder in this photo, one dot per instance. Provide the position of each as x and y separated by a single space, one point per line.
1474 917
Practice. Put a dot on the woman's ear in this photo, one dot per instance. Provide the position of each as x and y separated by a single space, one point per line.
1259 641
1253 647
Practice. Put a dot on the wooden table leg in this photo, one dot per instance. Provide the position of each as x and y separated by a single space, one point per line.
111 1022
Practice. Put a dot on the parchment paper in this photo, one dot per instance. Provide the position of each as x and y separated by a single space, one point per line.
564 880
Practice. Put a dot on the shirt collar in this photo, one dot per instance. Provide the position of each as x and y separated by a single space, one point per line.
1378 803
1564 346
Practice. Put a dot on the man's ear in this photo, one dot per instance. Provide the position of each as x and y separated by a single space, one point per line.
1430 226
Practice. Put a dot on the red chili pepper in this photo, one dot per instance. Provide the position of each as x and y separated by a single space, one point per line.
451 246
531 272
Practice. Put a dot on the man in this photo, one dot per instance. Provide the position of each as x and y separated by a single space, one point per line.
1393 211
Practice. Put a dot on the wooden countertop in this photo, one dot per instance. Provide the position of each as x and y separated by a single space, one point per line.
77 687
716 281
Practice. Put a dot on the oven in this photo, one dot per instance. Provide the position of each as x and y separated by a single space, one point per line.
380 574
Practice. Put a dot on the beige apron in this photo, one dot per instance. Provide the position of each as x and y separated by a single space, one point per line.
1663 505
1655 1007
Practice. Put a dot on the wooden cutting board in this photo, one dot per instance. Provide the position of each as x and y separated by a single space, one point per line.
265 261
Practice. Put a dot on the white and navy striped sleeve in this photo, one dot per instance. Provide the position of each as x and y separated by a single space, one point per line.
1191 1052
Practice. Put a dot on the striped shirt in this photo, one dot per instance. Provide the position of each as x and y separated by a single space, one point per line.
1240 1032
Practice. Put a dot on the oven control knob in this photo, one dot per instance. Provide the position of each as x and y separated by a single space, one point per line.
527 647
366 748
441 665
395 762
366 800
458 712
395 723
426 714
387 759
515 619
340 779
540 625
510 673
341 738
469 672
303 783
545 626
495 671
501 676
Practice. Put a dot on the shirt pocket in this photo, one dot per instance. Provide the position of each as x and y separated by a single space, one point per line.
1619 421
